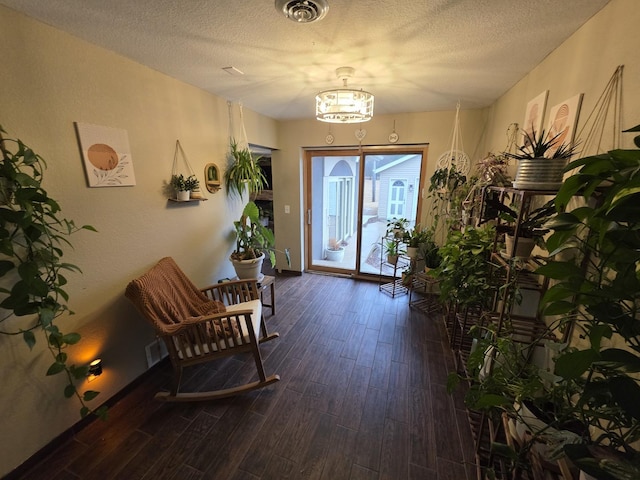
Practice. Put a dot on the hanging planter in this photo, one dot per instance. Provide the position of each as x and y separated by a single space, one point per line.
243 171
185 187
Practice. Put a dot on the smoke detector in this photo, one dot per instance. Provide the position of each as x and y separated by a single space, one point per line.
303 11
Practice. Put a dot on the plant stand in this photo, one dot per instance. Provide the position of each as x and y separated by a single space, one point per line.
392 284
423 293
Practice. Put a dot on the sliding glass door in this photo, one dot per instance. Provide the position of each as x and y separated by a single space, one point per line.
350 196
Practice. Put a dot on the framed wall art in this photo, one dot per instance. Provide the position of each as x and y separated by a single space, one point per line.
563 119
106 155
534 115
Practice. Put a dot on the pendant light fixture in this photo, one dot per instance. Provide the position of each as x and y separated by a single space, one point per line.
344 105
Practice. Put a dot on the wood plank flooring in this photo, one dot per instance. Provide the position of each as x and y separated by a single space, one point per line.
362 396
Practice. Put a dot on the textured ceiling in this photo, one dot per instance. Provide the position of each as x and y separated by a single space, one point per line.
413 55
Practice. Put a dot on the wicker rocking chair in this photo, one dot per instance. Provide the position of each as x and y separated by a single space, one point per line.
200 325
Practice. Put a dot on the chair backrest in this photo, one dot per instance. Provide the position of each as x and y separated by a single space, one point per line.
165 296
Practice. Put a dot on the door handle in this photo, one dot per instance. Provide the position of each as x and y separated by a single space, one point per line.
309 216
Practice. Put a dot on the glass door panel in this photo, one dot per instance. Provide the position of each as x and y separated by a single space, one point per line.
391 190
333 210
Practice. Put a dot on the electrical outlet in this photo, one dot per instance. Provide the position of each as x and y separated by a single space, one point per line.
287 209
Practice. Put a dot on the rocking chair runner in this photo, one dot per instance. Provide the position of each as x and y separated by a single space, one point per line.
199 325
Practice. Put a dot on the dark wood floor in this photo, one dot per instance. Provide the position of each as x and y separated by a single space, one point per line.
362 396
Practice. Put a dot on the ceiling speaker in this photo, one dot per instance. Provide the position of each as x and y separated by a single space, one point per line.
303 11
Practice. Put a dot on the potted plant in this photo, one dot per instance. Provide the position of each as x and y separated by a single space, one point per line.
444 186
595 252
464 272
396 227
335 251
493 170
33 297
530 232
243 172
413 239
541 161
253 242
429 252
593 303
392 250
184 186
407 276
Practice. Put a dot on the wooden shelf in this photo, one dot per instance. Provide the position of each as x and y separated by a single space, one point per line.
191 200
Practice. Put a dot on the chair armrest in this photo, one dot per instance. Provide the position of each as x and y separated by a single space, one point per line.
233 292
216 328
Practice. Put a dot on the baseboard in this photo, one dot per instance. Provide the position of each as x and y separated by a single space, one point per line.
289 273
41 454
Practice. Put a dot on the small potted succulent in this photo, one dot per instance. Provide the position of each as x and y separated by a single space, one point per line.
183 186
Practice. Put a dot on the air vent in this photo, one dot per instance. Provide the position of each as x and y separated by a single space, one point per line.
156 351
303 11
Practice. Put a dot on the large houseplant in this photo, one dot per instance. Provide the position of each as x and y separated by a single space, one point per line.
595 250
464 272
243 171
32 236
253 242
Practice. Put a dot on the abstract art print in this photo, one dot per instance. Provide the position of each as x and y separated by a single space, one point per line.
563 119
106 154
534 115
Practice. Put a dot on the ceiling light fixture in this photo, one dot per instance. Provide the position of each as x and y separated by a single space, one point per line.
344 105
303 11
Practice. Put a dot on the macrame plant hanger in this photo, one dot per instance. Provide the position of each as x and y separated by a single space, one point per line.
607 110
242 142
179 152
454 158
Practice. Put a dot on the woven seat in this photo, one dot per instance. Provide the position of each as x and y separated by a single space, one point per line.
200 325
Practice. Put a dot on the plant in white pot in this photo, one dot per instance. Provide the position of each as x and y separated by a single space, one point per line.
414 238
335 251
253 242
541 161
532 230
184 186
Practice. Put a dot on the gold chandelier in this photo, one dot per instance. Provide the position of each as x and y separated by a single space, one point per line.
344 105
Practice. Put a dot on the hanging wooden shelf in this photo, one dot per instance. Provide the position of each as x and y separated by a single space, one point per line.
191 200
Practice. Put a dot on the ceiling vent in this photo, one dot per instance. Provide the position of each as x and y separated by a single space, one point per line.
303 11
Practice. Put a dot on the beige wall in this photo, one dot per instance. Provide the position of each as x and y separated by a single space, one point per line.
49 79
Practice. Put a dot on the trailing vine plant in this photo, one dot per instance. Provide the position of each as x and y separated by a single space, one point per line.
32 237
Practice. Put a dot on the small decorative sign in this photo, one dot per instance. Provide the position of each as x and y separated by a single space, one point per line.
106 155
